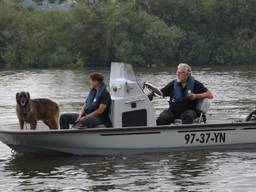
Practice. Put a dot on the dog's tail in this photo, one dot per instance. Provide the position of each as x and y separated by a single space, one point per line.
57 115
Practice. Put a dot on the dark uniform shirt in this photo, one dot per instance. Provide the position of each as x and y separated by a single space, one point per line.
185 104
105 99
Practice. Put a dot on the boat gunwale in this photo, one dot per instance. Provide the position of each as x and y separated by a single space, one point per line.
114 129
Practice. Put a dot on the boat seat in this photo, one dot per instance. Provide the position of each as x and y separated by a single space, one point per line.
202 107
101 126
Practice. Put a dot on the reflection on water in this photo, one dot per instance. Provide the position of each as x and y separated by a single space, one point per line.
177 171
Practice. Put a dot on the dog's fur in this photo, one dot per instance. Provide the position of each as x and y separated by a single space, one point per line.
32 110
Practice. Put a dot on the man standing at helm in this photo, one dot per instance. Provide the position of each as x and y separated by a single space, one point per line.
184 93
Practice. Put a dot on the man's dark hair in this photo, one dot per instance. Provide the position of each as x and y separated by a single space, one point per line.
96 77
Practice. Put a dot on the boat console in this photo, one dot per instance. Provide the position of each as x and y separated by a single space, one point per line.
130 105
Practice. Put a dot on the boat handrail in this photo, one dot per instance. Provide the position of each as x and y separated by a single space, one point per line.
136 100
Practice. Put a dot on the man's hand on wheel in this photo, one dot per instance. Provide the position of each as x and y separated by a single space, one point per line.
151 96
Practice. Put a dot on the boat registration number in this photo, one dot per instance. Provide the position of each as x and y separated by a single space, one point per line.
213 137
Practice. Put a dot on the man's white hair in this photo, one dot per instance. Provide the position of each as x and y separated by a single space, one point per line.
185 66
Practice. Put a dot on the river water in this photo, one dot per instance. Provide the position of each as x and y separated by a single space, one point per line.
235 96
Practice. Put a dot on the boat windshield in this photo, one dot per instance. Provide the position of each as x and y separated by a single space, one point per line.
121 72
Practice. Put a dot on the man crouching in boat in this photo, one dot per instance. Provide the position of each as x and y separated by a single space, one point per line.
96 109
184 93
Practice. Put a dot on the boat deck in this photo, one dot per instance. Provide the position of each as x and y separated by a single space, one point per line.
42 127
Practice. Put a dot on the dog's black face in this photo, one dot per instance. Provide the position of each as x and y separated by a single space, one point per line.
22 98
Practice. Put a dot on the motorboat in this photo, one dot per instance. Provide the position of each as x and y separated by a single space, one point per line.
134 128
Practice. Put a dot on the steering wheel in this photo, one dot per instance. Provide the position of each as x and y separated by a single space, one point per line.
251 116
153 89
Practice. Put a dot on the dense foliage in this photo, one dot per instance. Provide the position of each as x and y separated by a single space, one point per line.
142 32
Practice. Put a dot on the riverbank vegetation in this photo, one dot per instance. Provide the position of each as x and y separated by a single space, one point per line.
142 32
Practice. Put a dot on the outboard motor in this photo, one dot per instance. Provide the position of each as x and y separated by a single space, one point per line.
251 117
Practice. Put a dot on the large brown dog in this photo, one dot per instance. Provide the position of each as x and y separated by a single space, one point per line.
32 110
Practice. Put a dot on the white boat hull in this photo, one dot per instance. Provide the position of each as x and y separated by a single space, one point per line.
113 141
